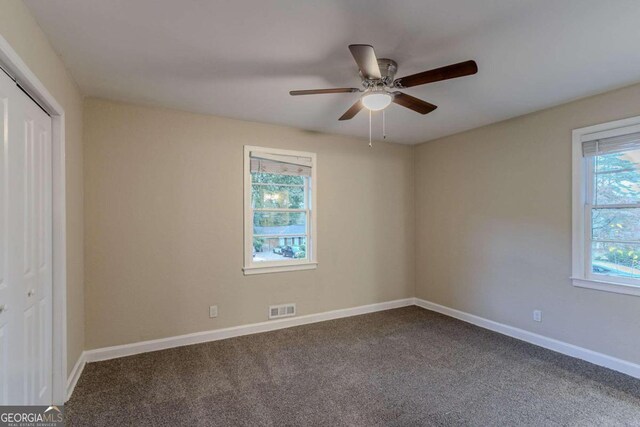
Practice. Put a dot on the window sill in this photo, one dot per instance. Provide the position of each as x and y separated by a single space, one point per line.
618 288
279 268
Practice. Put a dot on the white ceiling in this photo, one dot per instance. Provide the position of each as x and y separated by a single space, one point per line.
240 58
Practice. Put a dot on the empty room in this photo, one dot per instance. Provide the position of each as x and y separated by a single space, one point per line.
318 213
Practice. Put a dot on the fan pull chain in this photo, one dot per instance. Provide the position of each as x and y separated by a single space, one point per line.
384 132
370 129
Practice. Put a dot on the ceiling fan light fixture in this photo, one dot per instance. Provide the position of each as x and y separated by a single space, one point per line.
380 85
376 101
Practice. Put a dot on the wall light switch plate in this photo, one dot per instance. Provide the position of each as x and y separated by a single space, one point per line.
213 311
537 315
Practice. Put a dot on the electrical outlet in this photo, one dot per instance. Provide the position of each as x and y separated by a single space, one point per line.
537 315
213 311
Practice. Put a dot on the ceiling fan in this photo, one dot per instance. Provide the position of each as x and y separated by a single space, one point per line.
379 86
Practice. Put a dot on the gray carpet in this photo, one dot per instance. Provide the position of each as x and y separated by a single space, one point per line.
404 367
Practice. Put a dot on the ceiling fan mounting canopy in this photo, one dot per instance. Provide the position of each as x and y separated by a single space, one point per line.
388 69
379 82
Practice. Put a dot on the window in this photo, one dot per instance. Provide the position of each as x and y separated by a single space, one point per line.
280 210
606 208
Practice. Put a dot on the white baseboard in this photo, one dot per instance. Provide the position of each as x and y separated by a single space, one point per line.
594 357
75 374
236 331
107 353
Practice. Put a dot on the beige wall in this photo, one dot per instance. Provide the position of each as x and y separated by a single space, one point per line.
164 224
22 32
164 219
493 214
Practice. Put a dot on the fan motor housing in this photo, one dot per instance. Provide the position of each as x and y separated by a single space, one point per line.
388 69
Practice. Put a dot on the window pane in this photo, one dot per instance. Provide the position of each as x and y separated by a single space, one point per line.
272 178
616 260
278 223
616 224
277 196
279 248
617 178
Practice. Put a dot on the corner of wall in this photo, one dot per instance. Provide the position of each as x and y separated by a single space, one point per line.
414 166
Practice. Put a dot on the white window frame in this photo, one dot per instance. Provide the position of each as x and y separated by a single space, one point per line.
582 177
311 262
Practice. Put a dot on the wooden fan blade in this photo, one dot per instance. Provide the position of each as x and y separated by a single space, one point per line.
413 103
351 112
320 91
444 73
366 59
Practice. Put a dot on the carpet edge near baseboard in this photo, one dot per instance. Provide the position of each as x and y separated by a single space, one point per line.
106 353
600 359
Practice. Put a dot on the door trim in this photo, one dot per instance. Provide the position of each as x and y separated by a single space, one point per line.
12 62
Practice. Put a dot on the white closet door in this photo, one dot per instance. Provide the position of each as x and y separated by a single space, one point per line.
25 255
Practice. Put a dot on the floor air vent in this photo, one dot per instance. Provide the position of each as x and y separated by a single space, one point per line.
284 310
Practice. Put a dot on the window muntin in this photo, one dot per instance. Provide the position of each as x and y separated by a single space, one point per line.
613 215
279 220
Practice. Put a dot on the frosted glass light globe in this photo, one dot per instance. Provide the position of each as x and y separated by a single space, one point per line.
376 101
